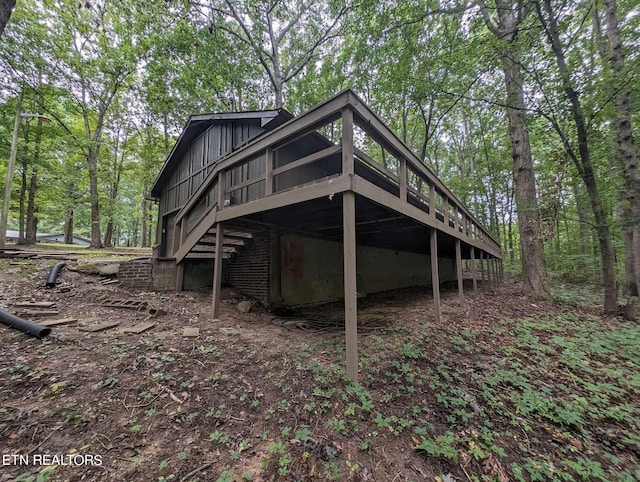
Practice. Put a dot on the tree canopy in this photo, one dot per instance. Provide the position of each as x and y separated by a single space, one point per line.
527 109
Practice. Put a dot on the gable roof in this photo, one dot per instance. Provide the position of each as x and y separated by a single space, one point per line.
198 123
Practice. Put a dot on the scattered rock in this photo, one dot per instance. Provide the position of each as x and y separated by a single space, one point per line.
109 269
245 306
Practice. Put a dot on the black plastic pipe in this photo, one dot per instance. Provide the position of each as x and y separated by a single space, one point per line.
25 326
53 274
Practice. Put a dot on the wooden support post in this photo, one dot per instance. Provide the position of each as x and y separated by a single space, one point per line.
482 266
275 287
350 283
446 211
348 164
501 271
473 269
435 275
349 249
222 187
217 270
432 201
178 239
268 172
459 273
403 180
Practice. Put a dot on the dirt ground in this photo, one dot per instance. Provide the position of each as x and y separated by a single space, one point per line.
256 396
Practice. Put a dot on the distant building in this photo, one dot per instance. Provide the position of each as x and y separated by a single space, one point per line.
12 237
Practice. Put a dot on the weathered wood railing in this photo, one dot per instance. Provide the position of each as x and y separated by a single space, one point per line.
254 178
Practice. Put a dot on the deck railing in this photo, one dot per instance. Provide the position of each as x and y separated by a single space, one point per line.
367 158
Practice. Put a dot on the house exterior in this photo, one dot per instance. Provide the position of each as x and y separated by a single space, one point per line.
329 204
13 236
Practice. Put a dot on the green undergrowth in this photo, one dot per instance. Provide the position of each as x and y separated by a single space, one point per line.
555 396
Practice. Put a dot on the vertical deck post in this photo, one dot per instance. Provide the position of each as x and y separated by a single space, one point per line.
445 208
178 239
350 284
482 266
432 201
435 275
473 269
403 180
217 269
349 250
268 175
501 271
459 273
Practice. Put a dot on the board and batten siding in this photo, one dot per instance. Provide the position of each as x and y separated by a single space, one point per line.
213 144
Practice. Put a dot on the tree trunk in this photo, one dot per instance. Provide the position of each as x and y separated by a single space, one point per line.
143 220
583 219
531 246
68 228
96 238
6 6
32 221
627 154
582 161
23 184
108 235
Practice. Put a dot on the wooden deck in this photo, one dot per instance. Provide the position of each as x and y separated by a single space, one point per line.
336 171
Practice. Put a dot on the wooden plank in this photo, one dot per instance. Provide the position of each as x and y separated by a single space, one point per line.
435 275
332 186
311 158
482 266
36 313
191 332
217 272
35 304
139 328
350 283
459 273
62 321
194 236
369 161
100 326
247 183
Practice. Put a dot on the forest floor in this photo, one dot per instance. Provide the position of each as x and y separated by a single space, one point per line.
504 388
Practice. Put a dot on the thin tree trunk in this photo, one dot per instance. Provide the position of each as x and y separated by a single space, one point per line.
68 228
32 220
143 220
23 184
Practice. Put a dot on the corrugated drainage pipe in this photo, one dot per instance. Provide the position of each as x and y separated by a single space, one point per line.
53 274
23 325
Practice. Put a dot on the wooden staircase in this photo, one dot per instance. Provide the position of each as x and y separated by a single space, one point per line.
233 243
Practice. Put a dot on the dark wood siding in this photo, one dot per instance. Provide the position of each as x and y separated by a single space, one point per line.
213 144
